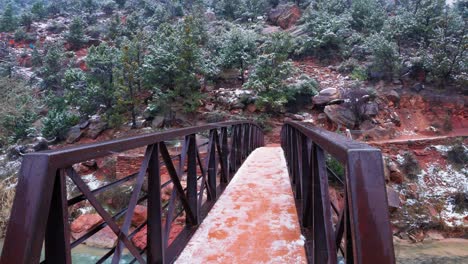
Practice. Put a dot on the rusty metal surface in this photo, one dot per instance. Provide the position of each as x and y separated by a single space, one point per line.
40 208
361 232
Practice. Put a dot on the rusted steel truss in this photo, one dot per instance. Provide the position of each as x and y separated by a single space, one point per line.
360 231
40 214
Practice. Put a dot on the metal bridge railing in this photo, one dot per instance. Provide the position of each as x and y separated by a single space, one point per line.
355 231
40 214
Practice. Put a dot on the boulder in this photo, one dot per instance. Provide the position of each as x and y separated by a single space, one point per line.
393 96
140 215
16 151
210 16
106 168
341 115
96 126
393 198
83 224
158 122
40 144
270 30
366 125
297 117
237 105
417 87
74 134
395 174
369 109
56 27
285 16
325 96
105 238
380 132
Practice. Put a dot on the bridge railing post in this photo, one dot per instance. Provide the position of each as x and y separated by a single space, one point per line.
360 226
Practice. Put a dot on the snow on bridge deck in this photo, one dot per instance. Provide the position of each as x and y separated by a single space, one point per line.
254 220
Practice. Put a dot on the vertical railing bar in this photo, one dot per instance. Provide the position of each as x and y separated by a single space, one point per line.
57 238
192 181
155 237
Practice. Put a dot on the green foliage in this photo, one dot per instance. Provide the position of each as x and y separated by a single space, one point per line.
108 7
20 35
38 10
446 56
57 122
336 167
263 120
384 56
359 73
101 61
36 58
239 49
458 155
8 21
367 15
240 9
410 165
75 35
326 29
228 9
268 79
18 109
26 20
192 102
175 58
280 44
120 3
53 64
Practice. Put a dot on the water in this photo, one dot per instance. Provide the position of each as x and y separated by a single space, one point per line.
446 251
84 255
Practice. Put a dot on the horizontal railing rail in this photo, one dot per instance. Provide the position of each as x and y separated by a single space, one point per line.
41 217
357 230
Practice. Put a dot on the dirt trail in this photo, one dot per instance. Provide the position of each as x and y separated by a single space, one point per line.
463 132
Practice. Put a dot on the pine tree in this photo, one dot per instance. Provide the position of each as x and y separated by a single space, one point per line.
38 10
8 20
239 50
76 35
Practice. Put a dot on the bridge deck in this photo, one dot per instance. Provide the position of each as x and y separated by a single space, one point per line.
254 221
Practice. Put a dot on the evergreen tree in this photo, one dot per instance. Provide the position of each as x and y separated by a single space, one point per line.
75 35
120 3
53 65
38 10
8 20
239 49
101 61
26 20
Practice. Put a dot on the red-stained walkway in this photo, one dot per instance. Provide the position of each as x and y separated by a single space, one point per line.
254 220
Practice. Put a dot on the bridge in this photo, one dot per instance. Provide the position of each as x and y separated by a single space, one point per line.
240 201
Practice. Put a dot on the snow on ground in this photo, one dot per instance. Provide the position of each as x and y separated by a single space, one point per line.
254 221
440 183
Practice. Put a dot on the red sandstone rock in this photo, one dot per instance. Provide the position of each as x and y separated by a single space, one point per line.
105 238
106 168
85 222
285 16
140 238
128 165
140 215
